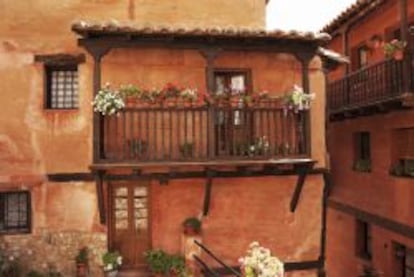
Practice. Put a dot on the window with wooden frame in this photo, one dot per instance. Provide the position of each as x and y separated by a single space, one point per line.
359 57
362 152
15 212
409 263
232 85
362 56
363 240
62 86
402 149
61 80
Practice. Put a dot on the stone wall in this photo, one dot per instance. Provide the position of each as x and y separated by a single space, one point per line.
55 250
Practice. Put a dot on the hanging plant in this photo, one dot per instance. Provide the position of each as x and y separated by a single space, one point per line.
298 100
108 101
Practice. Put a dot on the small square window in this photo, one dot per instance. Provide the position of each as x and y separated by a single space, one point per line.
62 86
362 150
363 240
15 212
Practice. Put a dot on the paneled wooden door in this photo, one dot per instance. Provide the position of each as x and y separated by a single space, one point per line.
129 221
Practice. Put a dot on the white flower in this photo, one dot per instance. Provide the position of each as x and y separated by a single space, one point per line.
260 261
119 260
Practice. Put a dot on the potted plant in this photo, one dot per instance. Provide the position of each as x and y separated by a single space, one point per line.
395 49
112 261
186 149
82 262
108 101
158 261
369 271
177 266
192 226
362 165
298 100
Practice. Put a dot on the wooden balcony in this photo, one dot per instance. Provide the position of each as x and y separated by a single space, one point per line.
377 87
180 134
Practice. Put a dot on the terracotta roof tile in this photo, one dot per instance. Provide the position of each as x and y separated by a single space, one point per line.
115 27
350 12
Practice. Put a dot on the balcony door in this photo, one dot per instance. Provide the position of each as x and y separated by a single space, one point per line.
232 123
129 221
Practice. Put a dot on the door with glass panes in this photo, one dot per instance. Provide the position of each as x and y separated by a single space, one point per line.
129 221
232 127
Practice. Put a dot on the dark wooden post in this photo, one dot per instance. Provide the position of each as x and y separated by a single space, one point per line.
97 52
100 196
345 44
210 54
405 37
305 59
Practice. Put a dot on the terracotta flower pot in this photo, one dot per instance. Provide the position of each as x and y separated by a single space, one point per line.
190 231
398 55
81 269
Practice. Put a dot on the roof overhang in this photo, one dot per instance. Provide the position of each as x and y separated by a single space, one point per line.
116 34
352 14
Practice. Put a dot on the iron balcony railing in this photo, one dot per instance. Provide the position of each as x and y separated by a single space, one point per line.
203 133
373 84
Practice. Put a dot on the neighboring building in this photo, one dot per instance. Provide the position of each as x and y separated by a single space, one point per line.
72 178
370 140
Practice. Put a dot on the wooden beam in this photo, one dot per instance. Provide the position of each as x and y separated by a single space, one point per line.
305 59
61 58
70 177
405 37
327 183
303 171
383 222
210 54
100 196
207 195
188 42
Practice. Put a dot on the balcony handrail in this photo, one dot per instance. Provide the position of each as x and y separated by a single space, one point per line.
214 257
381 81
201 133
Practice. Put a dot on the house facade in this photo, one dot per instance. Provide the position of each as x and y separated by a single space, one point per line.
72 177
370 215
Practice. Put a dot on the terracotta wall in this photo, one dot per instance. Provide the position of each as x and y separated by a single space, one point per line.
341 244
376 192
379 22
241 211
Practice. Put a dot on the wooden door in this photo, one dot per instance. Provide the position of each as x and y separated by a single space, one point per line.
129 222
232 128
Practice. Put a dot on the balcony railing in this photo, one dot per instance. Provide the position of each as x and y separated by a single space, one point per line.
377 83
180 133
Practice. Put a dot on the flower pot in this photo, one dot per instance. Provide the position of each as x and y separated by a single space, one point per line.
81 269
191 231
112 273
398 55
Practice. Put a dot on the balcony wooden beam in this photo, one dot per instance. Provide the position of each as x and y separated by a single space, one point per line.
302 173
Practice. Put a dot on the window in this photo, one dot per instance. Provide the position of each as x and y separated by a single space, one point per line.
362 56
409 263
362 157
364 240
62 86
15 212
359 56
402 152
